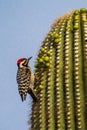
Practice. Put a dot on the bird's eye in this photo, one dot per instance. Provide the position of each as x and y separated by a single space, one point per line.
25 63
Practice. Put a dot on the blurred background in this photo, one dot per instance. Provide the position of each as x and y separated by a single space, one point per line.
23 27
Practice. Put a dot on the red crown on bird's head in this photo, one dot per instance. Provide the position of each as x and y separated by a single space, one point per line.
20 60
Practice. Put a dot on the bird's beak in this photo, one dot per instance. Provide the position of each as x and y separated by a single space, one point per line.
29 58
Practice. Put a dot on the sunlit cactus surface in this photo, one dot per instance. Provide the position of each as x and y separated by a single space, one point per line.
61 76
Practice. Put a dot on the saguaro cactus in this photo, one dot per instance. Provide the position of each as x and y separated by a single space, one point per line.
61 76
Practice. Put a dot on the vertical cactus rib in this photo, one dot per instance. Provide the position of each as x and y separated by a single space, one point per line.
50 122
41 109
68 82
38 121
61 76
59 102
78 77
84 37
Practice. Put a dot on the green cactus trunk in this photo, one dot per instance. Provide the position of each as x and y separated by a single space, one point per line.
61 76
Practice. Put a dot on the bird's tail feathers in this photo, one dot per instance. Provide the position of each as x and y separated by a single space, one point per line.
23 97
33 95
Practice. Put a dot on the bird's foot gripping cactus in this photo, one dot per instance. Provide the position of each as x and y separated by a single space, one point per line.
61 76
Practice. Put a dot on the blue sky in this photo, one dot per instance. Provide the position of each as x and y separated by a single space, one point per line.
23 26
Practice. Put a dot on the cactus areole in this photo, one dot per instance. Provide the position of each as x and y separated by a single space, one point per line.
61 76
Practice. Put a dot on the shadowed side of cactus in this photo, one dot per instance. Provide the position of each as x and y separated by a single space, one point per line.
61 76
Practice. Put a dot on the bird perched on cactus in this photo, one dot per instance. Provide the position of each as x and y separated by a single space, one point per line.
25 79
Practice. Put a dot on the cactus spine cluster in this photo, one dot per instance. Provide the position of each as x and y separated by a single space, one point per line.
61 76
